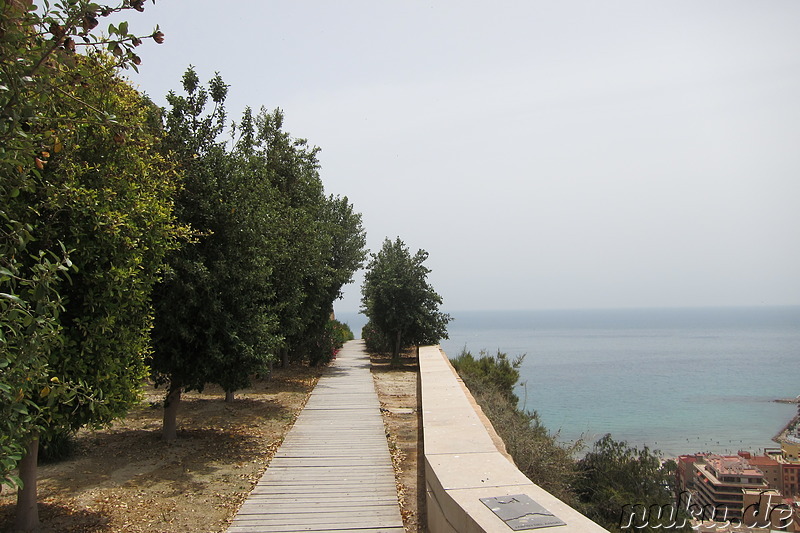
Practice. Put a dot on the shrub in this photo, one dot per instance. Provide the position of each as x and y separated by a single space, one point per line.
56 446
341 333
536 451
615 476
494 371
374 340
329 341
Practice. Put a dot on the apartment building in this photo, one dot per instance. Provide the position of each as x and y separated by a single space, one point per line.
772 469
720 482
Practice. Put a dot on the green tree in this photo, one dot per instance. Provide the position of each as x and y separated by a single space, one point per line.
107 201
214 323
299 259
374 339
347 247
398 300
343 240
317 242
38 60
39 68
269 254
618 484
29 331
79 184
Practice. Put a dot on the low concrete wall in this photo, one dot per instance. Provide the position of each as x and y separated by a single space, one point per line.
463 463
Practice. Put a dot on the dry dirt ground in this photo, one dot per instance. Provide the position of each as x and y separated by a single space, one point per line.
125 478
397 391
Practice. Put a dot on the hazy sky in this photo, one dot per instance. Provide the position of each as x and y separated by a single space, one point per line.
546 154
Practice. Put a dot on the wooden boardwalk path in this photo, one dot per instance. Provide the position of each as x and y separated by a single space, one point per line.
333 471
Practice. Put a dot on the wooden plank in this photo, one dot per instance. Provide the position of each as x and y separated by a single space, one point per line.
280 529
289 507
319 516
333 493
323 529
322 487
270 526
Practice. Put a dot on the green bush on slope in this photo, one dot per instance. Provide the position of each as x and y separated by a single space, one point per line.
536 451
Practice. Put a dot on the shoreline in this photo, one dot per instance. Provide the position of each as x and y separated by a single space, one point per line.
783 433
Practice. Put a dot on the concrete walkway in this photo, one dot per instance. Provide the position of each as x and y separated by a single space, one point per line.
333 471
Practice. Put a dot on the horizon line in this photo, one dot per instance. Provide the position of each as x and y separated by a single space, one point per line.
601 308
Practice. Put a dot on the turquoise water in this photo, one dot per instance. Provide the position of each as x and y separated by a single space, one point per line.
679 380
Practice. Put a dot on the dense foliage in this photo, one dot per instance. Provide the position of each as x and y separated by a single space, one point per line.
331 340
104 197
398 300
55 106
375 340
29 331
269 255
212 322
340 333
109 202
615 477
320 241
86 218
342 243
490 371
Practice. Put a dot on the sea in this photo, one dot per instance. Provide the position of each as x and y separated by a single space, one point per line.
675 380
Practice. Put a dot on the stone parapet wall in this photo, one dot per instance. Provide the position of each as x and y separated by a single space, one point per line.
463 463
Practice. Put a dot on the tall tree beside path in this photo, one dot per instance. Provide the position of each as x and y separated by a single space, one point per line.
343 241
213 320
298 241
86 219
398 300
316 242
269 255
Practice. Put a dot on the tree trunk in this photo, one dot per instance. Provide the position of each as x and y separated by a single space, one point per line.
396 353
27 518
229 396
284 357
170 431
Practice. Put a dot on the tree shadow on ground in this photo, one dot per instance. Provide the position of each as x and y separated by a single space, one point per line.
126 477
59 519
382 362
209 437
293 379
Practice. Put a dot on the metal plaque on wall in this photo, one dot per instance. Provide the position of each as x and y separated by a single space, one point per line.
519 512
